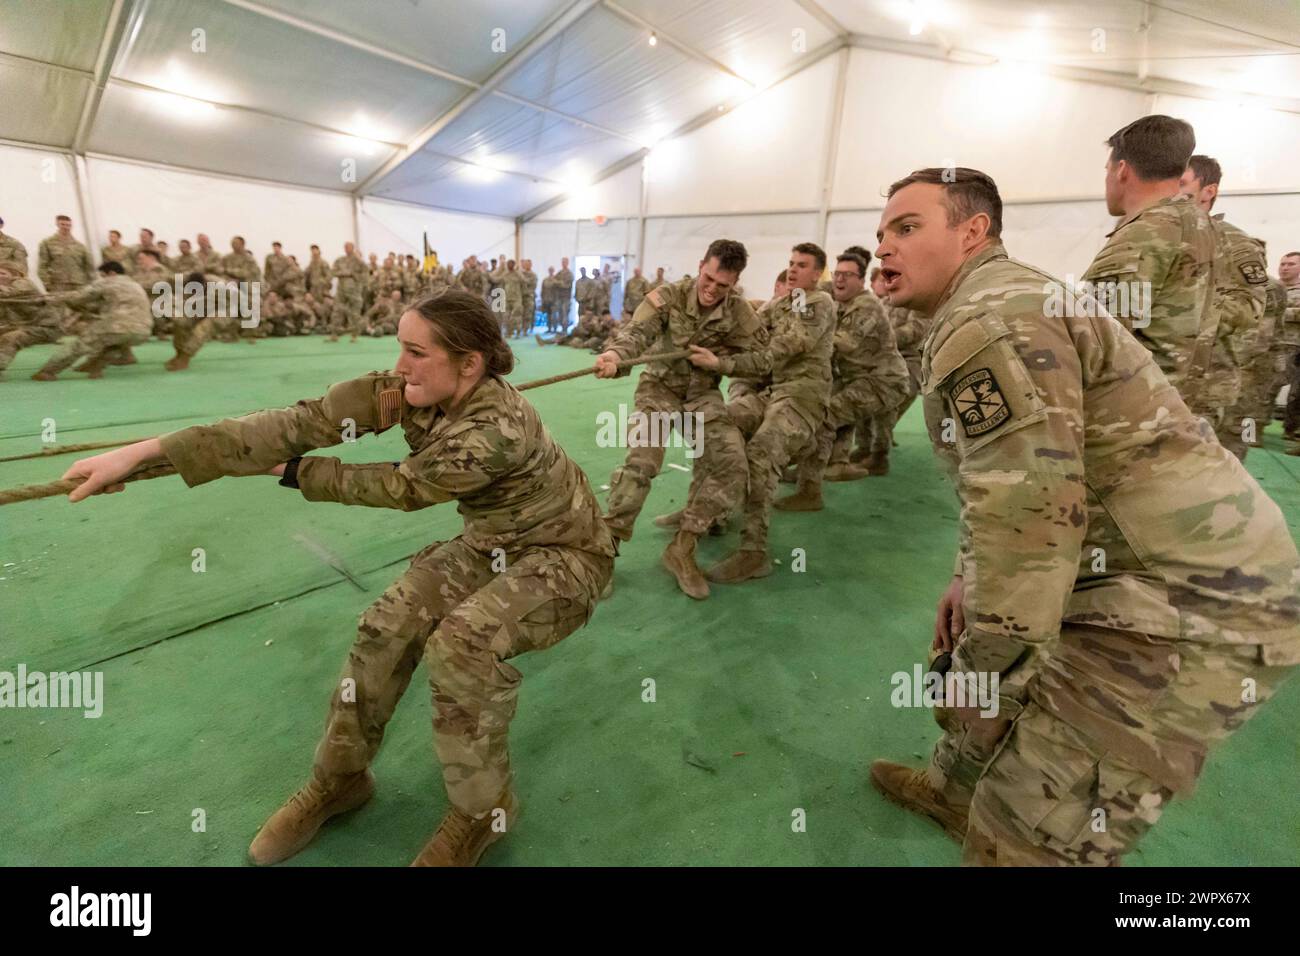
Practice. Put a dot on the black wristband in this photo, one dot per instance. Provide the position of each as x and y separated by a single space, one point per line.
290 479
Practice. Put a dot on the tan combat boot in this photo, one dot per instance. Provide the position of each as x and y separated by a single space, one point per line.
910 789
177 363
740 566
808 497
846 471
878 464
94 368
673 520
461 840
679 559
295 824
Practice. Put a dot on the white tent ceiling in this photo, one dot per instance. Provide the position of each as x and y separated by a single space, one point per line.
503 106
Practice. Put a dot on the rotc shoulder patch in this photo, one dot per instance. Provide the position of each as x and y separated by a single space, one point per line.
1253 273
979 402
390 407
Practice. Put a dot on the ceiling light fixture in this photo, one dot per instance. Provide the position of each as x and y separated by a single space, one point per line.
654 39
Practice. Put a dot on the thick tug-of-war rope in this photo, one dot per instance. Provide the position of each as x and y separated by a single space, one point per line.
9 496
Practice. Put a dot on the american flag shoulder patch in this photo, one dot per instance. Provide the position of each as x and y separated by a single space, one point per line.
390 407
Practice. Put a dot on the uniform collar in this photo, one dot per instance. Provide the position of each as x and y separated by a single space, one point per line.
1159 202
994 250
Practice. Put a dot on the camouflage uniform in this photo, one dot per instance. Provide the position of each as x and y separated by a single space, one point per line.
242 268
671 319
1123 573
382 318
278 270
1241 278
868 377
876 432
1170 246
563 295
512 319
147 279
351 274
636 290
210 260
186 263
11 250
319 278
1257 376
25 323
548 302
387 281
64 264
120 318
530 298
527 509
413 284
1286 350
119 254
786 418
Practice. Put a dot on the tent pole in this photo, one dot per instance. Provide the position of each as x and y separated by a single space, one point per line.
832 146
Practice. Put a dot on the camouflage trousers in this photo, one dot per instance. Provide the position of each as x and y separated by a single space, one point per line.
1115 725
189 334
718 478
782 436
15 340
875 433
93 343
1255 407
466 620
831 444
347 315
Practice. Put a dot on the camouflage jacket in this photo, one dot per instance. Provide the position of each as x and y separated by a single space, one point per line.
1089 493
119 254
211 262
319 276
636 290
351 272
21 305
515 486
868 374
1168 248
277 269
187 263
1288 329
670 319
11 250
116 304
64 264
1241 278
798 353
241 266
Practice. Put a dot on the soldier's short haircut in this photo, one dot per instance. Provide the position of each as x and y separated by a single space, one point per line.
856 260
152 253
966 192
143 229
732 255
781 277
860 251
316 247
114 232
874 273
113 266
1288 255
814 250
1157 147
198 277
60 217
274 245
1206 169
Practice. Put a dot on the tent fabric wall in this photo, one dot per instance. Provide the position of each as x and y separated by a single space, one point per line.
678 243
177 204
400 227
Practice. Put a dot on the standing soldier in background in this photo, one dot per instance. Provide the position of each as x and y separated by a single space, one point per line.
1254 410
186 262
164 259
276 270
350 271
318 275
120 318
240 266
412 280
1241 278
11 250
1286 345
530 294
798 357
1162 251
563 293
869 377
582 292
115 251
387 280
149 272
512 287
637 287
659 278
64 263
146 242
548 299
1065 442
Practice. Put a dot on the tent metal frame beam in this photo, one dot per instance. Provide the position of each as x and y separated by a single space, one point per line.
812 58
819 13
570 15
118 17
693 52
832 147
